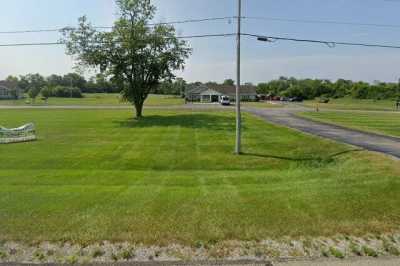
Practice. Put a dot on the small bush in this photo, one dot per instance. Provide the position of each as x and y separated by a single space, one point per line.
3 255
71 260
369 251
325 253
39 256
198 244
127 254
61 92
337 253
356 249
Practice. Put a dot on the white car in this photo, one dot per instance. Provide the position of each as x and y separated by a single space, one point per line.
225 100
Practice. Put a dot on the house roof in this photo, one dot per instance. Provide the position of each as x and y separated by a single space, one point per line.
222 89
229 90
196 89
210 92
8 84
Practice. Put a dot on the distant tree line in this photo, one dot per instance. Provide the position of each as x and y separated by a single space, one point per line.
308 89
171 87
74 85
96 84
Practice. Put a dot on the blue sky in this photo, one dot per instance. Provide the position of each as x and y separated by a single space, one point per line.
214 59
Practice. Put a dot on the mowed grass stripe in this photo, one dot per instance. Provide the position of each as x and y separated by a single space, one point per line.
173 177
349 103
382 123
97 99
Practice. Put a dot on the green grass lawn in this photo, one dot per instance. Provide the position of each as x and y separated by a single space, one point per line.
383 123
354 104
100 99
98 175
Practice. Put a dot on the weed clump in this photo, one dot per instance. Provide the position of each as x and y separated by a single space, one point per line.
337 253
71 260
3 255
39 256
355 249
127 254
391 249
370 252
97 253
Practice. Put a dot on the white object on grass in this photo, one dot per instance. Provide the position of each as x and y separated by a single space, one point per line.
21 134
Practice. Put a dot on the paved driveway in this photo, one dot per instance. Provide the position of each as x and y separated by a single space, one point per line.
369 141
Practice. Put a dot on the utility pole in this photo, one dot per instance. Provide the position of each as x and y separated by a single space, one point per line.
238 112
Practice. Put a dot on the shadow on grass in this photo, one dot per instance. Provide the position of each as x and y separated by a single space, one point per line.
328 158
195 121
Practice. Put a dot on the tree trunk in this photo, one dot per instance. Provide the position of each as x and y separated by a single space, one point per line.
139 110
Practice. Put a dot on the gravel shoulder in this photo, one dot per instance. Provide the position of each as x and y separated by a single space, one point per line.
349 262
286 251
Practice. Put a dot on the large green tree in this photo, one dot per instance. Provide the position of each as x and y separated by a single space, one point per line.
134 54
229 82
32 82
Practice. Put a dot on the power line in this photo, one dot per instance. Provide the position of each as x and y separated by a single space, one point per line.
191 21
331 44
61 43
32 31
110 27
31 44
267 38
310 21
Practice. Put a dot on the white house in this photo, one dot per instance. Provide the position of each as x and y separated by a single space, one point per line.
213 93
9 90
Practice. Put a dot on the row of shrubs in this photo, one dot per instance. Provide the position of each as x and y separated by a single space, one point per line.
61 91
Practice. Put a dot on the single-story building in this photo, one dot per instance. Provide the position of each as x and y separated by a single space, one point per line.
213 93
9 90
193 92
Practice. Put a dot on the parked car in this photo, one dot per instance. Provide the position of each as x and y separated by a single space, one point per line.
284 99
324 100
295 99
225 100
276 98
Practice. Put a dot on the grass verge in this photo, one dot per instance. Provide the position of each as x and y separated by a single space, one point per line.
354 104
382 123
101 99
